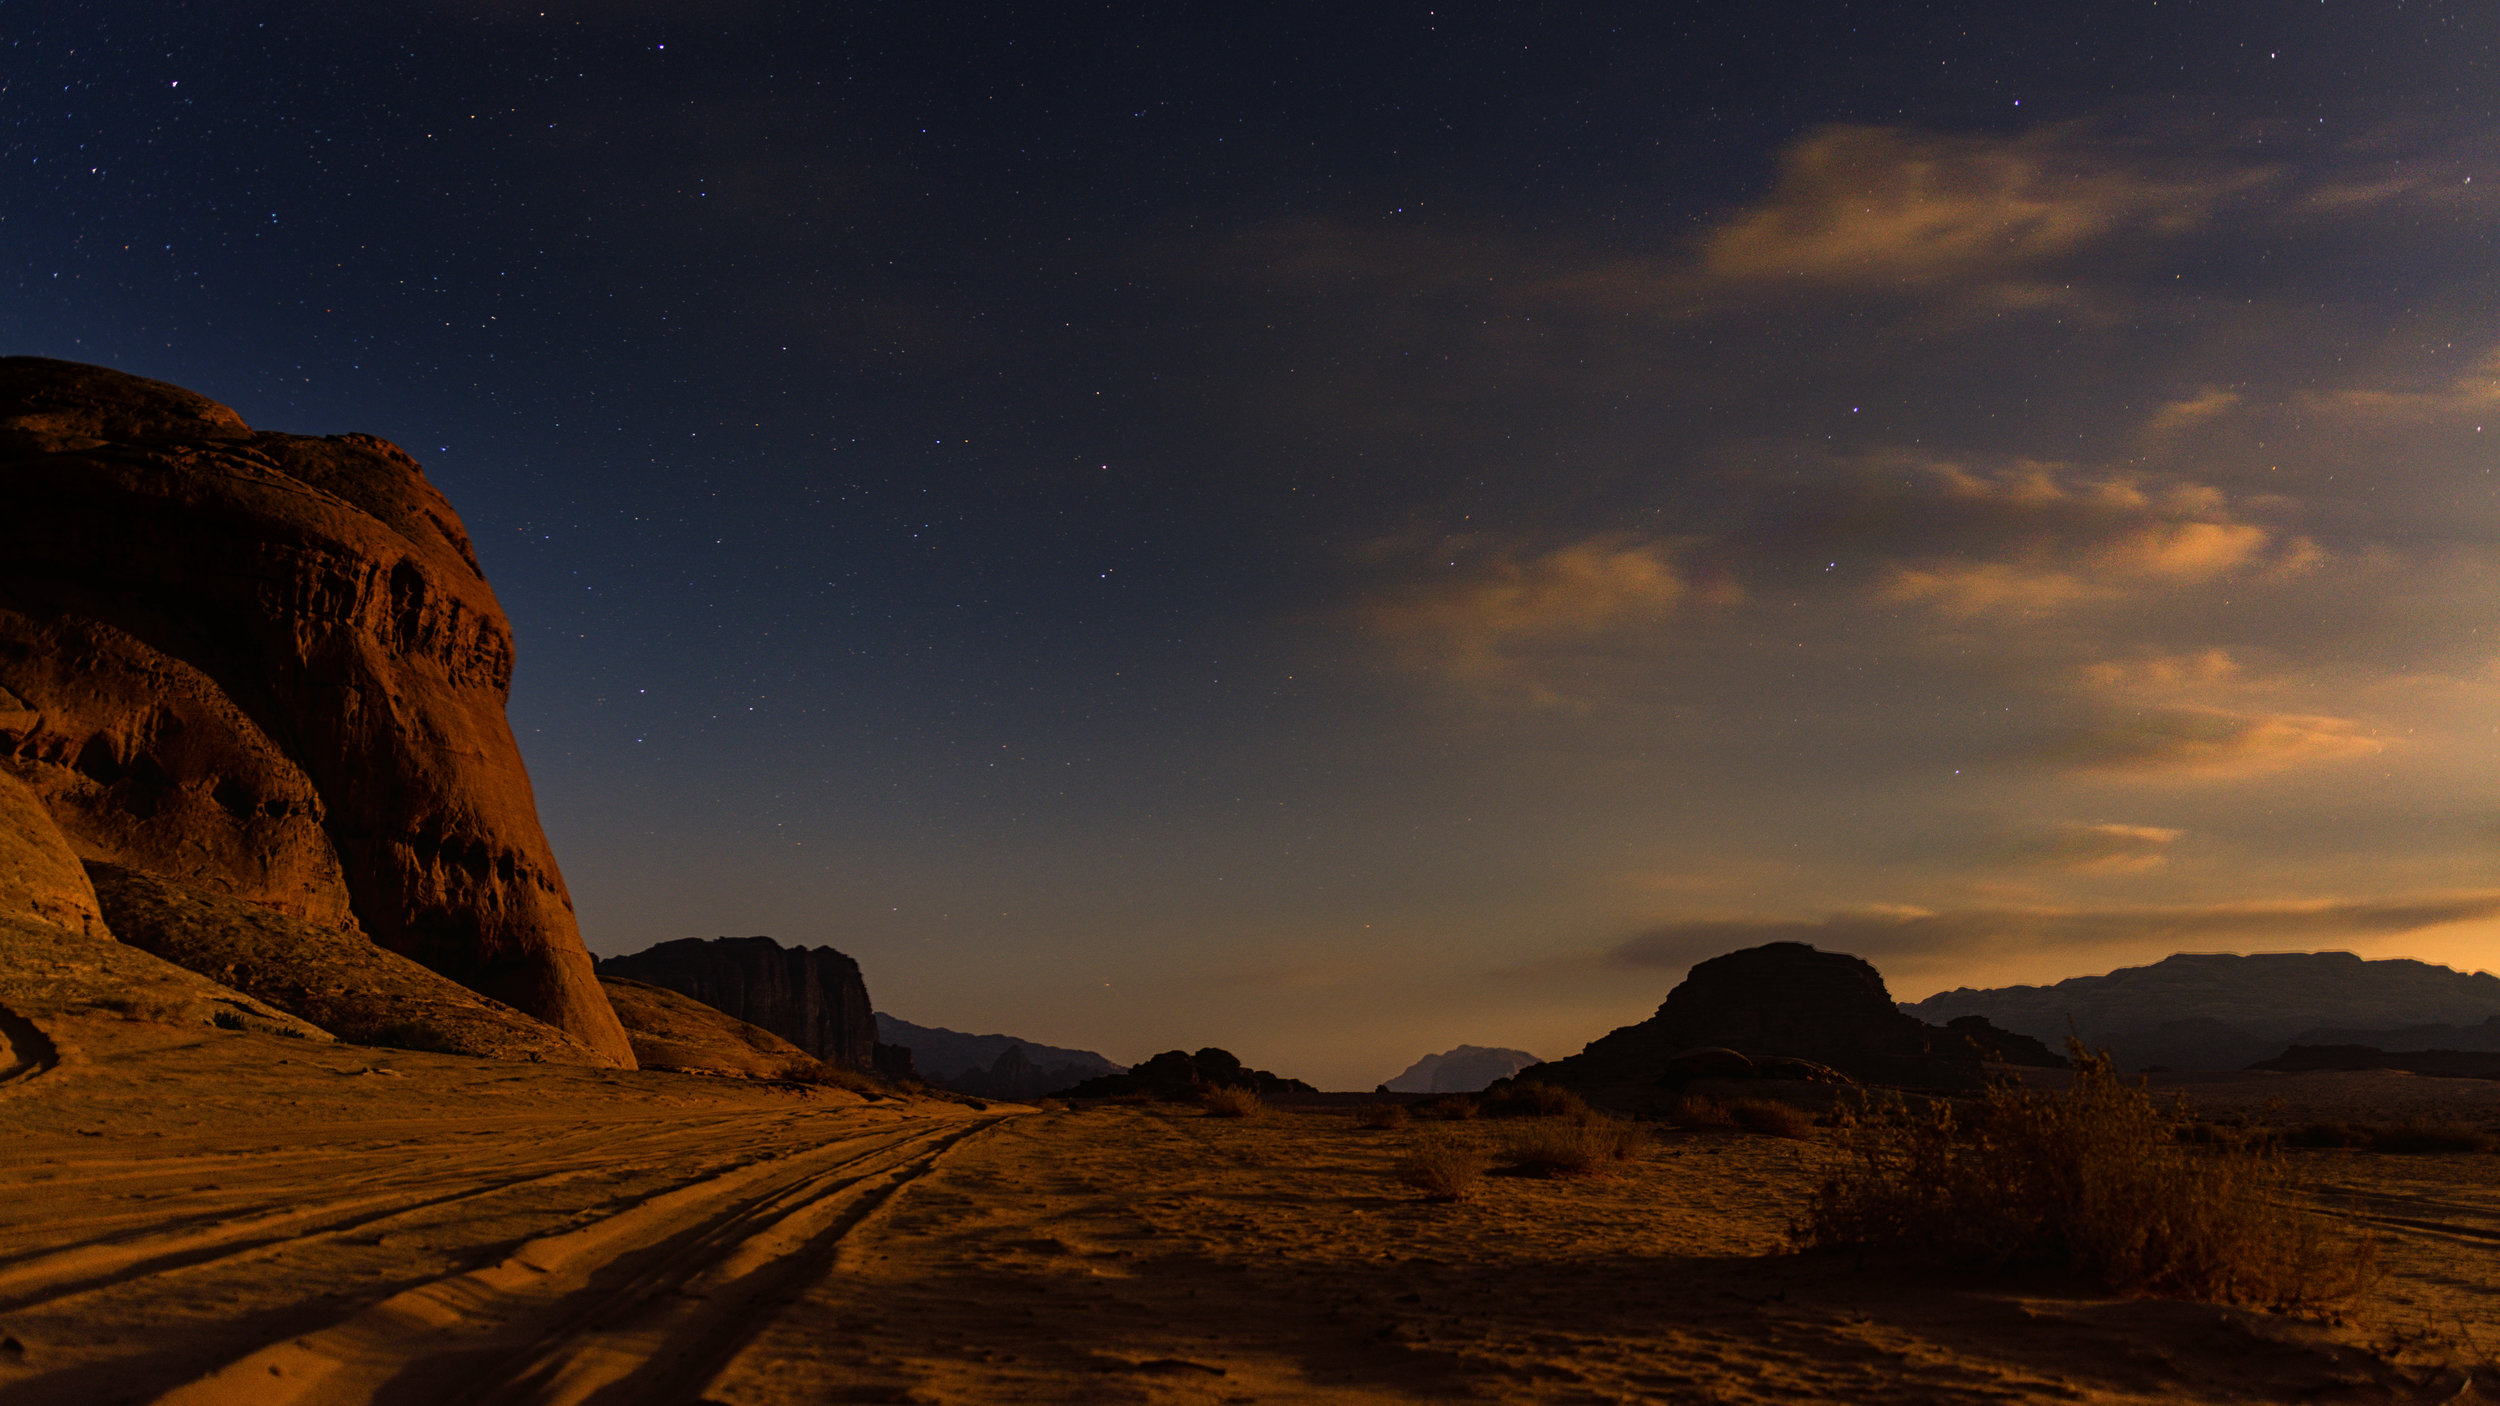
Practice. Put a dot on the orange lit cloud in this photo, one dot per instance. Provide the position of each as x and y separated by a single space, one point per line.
1895 932
2209 743
2102 848
1471 621
1889 207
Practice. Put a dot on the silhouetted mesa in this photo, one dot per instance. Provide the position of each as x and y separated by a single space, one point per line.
1465 1070
989 1066
2207 1010
1177 1074
2446 1064
266 667
1782 1000
813 997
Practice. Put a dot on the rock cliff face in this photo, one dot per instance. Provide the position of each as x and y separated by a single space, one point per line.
969 1063
813 997
267 666
675 1031
1783 999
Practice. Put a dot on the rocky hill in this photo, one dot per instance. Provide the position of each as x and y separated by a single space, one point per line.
1464 1070
813 997
1780 1001
2220 1011
266 668
1178 1074
990 1066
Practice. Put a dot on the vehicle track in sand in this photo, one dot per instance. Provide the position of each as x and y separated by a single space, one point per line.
644 1304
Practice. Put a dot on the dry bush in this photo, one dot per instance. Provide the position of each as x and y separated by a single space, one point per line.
1381 1115
1534 1100
1135 1100
150 1006
1051 1105
1454 1108
2095 1178
418 1035
2423 1135
1695 1111
1554 1147
1228 1101
1770 1115
1443 1167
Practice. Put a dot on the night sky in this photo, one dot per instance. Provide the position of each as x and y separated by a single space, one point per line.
1339 531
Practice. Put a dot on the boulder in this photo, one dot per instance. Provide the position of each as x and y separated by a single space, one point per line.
673 1031
334 978
1782 1000
41 879
293 650
813 997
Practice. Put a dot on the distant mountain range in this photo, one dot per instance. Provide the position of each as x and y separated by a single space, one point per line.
991 1066
2201 1010
1461 1071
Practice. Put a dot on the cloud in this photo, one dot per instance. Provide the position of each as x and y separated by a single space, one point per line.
2195 410
2032 539
1900 932
1474 620
2209 743
2102 848
1893 208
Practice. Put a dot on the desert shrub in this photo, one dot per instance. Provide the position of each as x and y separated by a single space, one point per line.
1556 1147
2423 1135
1381 1115
1133 1100
149 1006
1443 1167
1454 1108
1230 1101
1695 1111
1770 1115
2095 1178
226 1020
1051 1105
408 1035
1515 1099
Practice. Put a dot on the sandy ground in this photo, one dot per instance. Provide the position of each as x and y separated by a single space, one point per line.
199 1216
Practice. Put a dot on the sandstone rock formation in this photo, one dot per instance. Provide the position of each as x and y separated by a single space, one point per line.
2214 1010
673 1031
334 978
813 997
57 959
1782 999
1179 1074
969 1064
267 666
1464 1070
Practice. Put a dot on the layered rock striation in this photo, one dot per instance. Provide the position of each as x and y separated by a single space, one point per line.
268 668
813 997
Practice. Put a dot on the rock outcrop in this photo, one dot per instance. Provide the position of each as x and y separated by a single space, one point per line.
57 959
267 666
813 997
674 1031
1465 1070
2214 1010
1178 1074
1781 1000
969 1064
332 977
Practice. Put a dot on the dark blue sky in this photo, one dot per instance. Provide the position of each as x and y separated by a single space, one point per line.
1340 530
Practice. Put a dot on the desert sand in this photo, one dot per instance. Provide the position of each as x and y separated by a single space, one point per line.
195 1215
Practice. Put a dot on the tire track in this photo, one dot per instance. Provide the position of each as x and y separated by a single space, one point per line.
636 1306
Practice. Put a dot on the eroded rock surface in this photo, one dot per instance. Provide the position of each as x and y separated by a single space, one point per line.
813 997
40 877
674 1031
290 633
332 977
